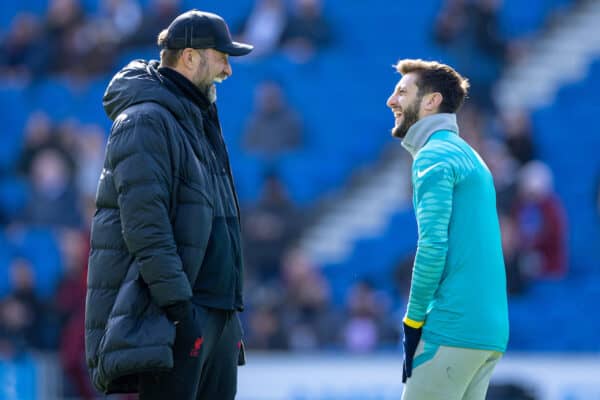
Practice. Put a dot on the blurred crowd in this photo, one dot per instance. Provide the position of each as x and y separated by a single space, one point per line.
69 41
290 304
531 216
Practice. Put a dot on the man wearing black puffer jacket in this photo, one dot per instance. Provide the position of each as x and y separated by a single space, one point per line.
165 268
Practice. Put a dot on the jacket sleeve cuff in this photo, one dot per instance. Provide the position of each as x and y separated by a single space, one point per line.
178 311
413 323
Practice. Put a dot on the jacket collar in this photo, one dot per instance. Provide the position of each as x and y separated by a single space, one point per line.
187 88
421 131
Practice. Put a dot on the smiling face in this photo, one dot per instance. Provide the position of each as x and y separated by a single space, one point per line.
405 103
426 88
212 66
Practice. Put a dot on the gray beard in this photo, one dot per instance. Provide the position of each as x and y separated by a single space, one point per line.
210 91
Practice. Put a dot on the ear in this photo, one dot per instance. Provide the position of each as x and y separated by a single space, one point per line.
187 58
432 102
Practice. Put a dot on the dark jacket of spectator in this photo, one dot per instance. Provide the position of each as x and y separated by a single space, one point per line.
307 26
275 127
53 200
147 255
23 52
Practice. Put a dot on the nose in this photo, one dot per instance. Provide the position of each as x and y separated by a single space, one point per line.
391 101
228 71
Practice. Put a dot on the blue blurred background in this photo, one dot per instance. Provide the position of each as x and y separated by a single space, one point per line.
328 223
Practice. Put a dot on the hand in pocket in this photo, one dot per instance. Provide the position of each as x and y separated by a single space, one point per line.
188 326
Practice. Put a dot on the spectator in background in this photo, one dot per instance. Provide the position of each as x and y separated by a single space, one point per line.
265 330
365 325
504 170
265 318
70 296
307 31
93 44
33 327
69 302
40 134
517 275
23 54
64 22
264 26
157 17
541 221
94 48
274 127
269 226
516 125
403 276
121 18
89 159
472 123
14 322
470 31
67 135
53 200
306 313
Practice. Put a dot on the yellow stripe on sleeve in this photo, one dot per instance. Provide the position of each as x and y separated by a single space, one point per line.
412 323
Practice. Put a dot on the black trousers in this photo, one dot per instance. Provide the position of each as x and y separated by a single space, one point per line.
208 371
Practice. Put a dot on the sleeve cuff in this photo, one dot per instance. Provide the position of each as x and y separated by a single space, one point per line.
413 323
178 311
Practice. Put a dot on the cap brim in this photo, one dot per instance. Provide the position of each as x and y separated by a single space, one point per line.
236 49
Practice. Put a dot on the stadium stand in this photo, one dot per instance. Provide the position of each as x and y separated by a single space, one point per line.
340 94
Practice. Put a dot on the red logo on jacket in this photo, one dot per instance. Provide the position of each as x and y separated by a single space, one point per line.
196 349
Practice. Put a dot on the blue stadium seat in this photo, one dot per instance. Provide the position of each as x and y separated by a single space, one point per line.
54 96
88 103
8 9
12 121
233 12
375 258
144 53
39 7
518 20
300 172
248 173
14 193
90 7
6 256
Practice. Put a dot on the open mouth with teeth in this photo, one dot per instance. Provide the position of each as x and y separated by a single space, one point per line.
398 116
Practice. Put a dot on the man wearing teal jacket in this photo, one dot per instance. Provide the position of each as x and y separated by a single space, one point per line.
456 323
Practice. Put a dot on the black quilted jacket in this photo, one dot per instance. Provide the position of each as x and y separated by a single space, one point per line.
166 227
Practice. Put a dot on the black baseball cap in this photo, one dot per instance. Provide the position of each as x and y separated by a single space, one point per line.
203 30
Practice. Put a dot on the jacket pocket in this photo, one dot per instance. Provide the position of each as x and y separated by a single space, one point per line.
138 336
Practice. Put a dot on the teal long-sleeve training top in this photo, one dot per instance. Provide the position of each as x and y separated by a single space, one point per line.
458 288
